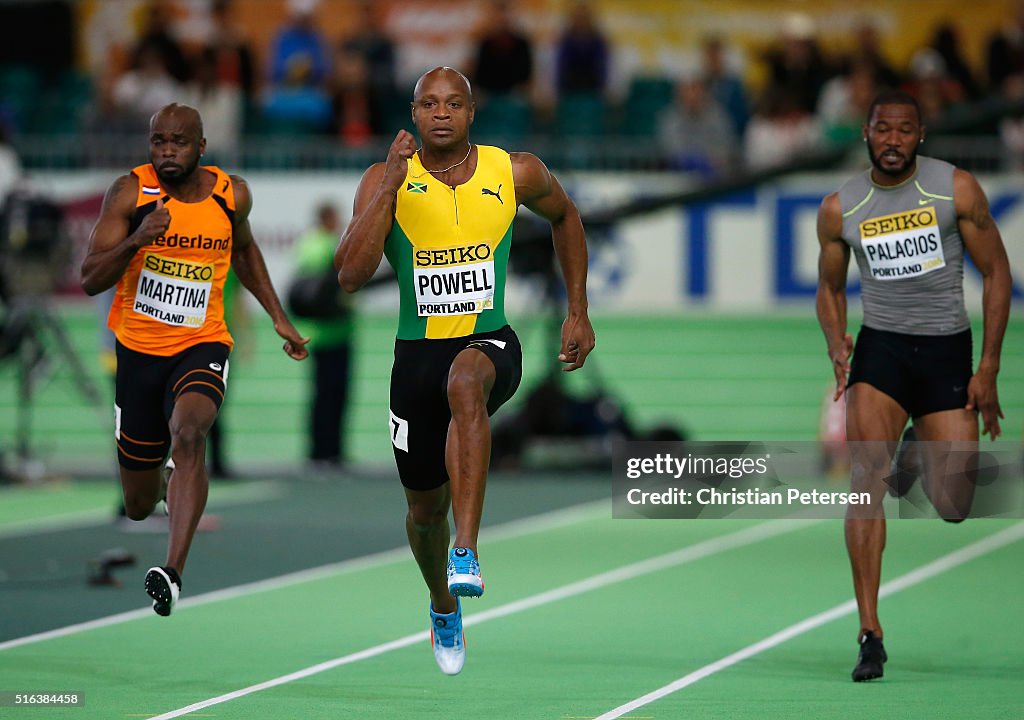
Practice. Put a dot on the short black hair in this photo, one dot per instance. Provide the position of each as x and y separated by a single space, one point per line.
893 97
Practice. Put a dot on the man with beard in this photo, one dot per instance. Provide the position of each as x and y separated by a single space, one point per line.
167 234
908 220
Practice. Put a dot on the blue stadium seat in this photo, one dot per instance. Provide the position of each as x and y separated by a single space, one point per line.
647 97
19 91
581 115
503 118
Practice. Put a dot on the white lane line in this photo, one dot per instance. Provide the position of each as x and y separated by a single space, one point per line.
707 548
533 524
965 554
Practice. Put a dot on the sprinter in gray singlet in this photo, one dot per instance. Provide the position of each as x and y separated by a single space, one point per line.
908 220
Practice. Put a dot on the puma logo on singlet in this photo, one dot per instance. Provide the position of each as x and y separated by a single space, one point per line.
495 193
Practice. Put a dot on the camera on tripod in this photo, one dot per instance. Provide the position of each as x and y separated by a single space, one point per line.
35 255
35 252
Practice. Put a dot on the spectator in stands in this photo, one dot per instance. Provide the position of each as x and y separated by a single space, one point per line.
797 69
220 103
504 56
724 83
582 54
375 46
356 110
695 133
233 56
936 92
10 165
298 104
845 101
1005 52
158 36
144 89
299 44
297 100
947 43
780 131
1011 128
867 51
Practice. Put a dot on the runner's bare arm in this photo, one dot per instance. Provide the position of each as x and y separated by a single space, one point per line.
362 245
540 191
985 245
833 260
247 262
111 248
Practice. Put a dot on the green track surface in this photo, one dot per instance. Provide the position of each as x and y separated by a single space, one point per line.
954 639
721 377
954 650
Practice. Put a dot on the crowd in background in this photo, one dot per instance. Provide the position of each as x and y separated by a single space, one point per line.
705 118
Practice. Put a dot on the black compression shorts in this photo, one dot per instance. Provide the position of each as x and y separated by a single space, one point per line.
146 388
923 373
419 398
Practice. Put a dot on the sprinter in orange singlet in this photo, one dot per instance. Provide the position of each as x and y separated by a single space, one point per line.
167 234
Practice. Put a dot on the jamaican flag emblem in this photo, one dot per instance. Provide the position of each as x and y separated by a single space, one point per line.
416 187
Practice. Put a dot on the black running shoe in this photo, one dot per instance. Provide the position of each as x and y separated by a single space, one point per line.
870 659
163 585
906 466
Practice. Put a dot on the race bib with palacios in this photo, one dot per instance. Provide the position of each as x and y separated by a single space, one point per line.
454 280
175 292
902 245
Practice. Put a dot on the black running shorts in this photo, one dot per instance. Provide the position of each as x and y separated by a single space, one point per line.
923 373
146 388
419 398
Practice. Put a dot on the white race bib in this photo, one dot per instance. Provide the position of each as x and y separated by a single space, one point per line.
175 292
903 245
454 281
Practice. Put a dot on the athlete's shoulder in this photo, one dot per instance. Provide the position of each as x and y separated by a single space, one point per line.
526 165
145 172
855 191
122 195
830 217
493 152
228 180
374 173
830 203
223 180
125 184
857 180
938 179
235 189
930 164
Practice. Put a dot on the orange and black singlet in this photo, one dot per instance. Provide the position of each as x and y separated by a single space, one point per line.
171 295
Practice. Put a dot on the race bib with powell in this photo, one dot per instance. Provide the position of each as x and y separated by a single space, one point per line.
454 280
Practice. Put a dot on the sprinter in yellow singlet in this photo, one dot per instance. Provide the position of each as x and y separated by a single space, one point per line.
442 214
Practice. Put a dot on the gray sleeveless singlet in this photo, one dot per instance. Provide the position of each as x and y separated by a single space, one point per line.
908 247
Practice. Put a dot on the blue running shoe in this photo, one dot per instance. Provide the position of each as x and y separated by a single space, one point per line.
448 639
464 574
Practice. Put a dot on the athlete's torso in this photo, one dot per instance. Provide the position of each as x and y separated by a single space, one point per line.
908 247
449 247
171 295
